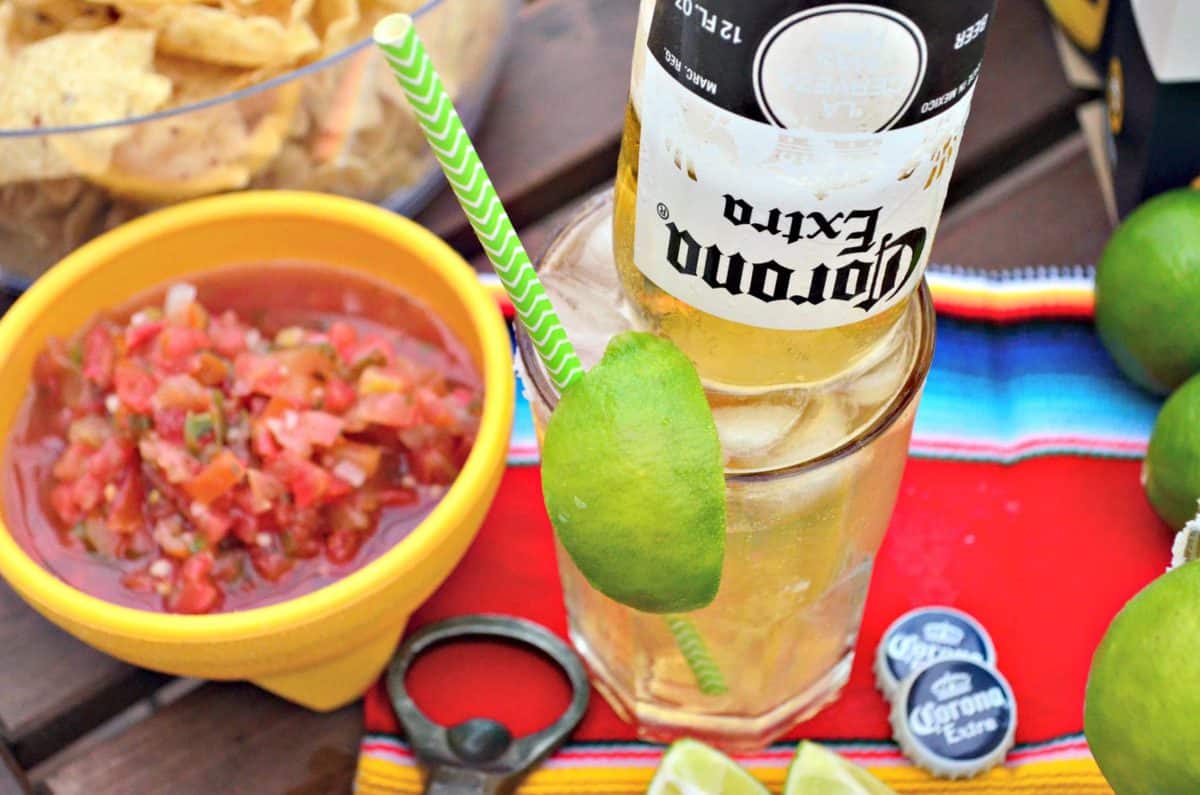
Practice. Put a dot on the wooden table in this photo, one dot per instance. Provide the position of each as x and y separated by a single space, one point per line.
75 721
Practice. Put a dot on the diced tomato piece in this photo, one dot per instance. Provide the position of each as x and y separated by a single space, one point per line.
343 338
342 545
320 427
464 397
244 528
175 346
265 489
115 455
365 457
282 374
62 500
227 334
170 424
209 369
222 473
251 369
262 442
142 333
338 488
195 593
339 395
434 462
99 355
182 392
271 564
87 492
214 525
435 410
171 458
307 482
393 409
73 461
275 408
125 509
135 387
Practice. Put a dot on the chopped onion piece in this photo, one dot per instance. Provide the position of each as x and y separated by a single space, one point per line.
179 298
350 472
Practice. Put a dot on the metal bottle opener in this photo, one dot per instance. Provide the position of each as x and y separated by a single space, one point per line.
480 755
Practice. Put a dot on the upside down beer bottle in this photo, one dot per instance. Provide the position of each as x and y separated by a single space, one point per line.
783 168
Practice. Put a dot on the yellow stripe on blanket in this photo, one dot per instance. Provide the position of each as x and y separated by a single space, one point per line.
1060 777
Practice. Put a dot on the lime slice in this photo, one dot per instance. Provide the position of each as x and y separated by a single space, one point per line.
692 768
819 771
633 479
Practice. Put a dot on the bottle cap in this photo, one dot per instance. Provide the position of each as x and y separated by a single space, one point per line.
955 718
926 635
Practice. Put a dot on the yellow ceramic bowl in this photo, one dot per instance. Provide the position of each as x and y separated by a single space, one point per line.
322 649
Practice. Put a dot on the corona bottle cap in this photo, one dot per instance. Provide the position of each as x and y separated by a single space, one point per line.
926 635
955 718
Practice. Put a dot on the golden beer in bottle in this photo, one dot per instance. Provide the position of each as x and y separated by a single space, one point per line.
783 168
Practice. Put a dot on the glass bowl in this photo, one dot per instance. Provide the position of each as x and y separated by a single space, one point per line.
338 125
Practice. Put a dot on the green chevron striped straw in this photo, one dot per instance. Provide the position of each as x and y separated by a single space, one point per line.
435 112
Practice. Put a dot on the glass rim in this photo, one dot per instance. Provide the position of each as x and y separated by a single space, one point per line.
220 99
534 373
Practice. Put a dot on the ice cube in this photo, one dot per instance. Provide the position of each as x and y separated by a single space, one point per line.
750 429
587 295
878 385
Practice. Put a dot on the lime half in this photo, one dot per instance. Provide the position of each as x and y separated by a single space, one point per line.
819 771
633 478
692 768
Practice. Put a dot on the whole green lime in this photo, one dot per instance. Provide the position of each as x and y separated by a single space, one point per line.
1142 707
1148 291
633 478
1171 472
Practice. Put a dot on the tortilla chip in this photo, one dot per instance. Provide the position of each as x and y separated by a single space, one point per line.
179 157
269 116
195 81
220 37
201 152
75 79
34 20
337 23
288 12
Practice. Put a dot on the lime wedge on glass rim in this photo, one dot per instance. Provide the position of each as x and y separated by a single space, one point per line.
819 771
633 478
693 768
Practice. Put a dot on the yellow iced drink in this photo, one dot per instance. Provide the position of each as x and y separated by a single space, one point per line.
811 478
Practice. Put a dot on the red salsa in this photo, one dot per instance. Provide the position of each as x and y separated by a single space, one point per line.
239 440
